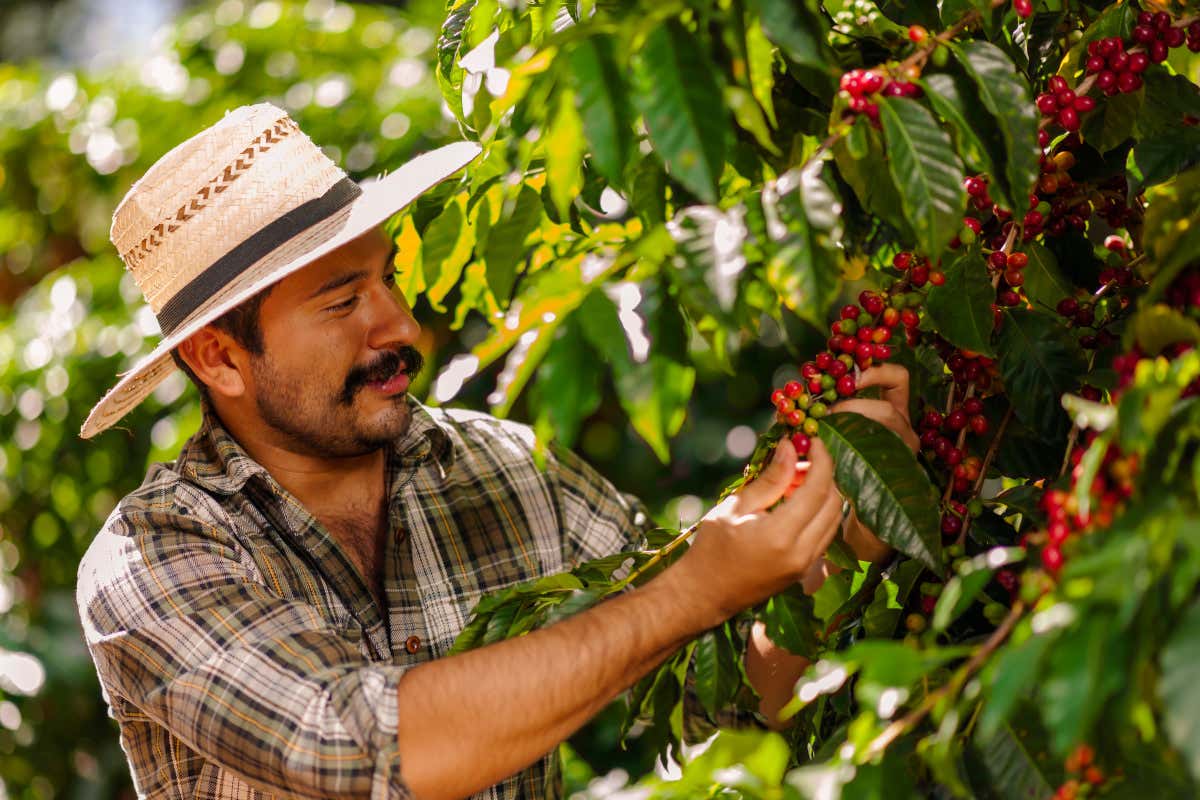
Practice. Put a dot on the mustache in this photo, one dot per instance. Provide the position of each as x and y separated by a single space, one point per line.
381 369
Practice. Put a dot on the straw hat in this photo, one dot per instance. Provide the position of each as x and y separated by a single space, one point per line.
233 210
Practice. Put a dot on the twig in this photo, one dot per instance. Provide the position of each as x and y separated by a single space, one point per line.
659 555
993 448
977 660
1071 439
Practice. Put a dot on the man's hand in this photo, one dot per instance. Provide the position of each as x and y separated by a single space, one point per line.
892 413
744 553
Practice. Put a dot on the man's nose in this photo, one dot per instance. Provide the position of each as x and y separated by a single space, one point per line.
391 322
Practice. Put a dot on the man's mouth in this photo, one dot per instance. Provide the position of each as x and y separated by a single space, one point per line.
394 385
389 376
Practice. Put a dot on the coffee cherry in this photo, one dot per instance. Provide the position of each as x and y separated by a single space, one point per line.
956 420
902 261
1047 103
871 302
972 406
837 369
802 443
793 389
979 424
951 525
1017 260
811 427
1052 558
845 385
917 33
796 418
937 277
1008 298
1067 307
1023 8
824 361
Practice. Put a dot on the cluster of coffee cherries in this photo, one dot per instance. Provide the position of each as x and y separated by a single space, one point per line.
919 270
861 85
1157 34
859 339
1117 277
943 438
1085 774
929 591
1111 487
1060 102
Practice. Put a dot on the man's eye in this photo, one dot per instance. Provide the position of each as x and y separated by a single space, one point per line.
345 305
389 279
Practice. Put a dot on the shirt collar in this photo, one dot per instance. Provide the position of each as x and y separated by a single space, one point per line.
214 460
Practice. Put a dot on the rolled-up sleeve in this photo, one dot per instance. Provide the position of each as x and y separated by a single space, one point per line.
183 628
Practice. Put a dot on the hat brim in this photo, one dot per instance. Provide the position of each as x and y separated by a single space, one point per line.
380 200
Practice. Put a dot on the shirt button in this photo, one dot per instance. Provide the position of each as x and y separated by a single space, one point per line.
412 644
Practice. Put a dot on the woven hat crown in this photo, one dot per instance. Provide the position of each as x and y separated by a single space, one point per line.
215 189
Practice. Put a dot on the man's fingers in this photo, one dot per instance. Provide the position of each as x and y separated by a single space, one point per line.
818 485
819 532
893 380
885 414
775 479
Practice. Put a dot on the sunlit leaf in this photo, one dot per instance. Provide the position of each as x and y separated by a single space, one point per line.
890 491
922 161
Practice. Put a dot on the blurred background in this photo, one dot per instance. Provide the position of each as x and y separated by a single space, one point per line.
91 93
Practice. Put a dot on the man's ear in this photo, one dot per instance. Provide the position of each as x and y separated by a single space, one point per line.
217 360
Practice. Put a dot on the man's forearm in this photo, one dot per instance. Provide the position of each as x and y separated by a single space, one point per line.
469 721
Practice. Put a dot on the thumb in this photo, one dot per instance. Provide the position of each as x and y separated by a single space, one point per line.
770 485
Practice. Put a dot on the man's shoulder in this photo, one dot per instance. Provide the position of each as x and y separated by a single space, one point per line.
475 429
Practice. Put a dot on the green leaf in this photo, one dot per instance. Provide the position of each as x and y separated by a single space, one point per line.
1040 362
760 64
955 100
803 224
971 579
1172 237
1084 667
890 491
961 308
863 164
564 155
505 245
1178 689
567 388
446 247
1045 283
792 623
1016 670
1112 122
1006 95
654 392
798 27
718 676
1154 327
677 92
922 160
603 103
1010 767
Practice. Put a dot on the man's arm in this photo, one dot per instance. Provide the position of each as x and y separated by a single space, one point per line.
472 719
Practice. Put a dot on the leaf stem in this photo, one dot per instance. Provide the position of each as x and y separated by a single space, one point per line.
977 660
993 448
659 555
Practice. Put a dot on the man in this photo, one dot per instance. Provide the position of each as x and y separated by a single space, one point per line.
266 613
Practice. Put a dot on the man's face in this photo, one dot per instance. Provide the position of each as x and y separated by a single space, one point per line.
337 355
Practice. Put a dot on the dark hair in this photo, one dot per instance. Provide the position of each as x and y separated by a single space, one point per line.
242 325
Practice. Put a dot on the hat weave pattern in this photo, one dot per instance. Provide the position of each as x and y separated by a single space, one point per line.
273 135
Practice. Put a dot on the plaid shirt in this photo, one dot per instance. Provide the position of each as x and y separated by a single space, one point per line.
242 654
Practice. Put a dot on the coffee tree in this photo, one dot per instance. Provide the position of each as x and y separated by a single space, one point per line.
999 196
